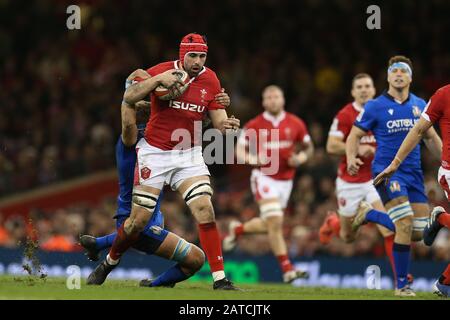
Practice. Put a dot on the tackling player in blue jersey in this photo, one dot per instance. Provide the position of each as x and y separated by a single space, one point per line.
390 117
154 239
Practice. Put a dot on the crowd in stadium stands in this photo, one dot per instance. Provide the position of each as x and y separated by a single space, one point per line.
61 92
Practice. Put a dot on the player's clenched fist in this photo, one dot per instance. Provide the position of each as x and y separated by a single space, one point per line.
169 79
353 165
231 123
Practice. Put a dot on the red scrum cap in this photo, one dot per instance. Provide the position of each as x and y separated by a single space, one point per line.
193 42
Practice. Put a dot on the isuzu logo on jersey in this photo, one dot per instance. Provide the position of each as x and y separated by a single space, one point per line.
186 106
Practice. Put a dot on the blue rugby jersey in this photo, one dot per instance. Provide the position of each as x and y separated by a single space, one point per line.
390 122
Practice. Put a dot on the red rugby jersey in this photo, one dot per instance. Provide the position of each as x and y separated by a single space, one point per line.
341 127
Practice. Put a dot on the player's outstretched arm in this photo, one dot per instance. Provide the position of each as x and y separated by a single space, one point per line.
138 91
351 150
415 135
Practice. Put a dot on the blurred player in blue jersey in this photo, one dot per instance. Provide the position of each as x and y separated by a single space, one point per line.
390 117
154 239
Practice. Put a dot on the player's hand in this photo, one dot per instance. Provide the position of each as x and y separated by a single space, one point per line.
353 166
231 123
297 160
223 98
366 151
170 80
138 73
386 174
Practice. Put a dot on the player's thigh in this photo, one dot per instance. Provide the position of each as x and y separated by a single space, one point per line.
197 192
144 201
284 189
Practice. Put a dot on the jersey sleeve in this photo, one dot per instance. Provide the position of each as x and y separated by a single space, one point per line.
155 70
302 132
435 107
366 119
341 126
215 89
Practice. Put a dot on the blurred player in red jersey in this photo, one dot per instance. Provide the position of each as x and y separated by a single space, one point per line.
171 153
437 111
351 190
274 135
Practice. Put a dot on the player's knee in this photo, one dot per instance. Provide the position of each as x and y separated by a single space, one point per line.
202 210
199 192
196 259
274 223
404 227
134 224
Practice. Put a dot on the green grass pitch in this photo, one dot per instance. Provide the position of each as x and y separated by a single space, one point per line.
27 287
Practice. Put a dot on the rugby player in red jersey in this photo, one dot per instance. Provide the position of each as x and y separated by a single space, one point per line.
281 143
171 153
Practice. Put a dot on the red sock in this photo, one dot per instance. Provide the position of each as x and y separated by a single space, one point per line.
335 225
121 243
210 241
388 243
444 219
239 230
446 276
285 263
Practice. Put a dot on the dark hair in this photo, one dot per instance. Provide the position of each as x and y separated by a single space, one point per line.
404 59
360 76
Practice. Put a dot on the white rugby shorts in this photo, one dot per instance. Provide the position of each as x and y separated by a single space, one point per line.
157 167
265 187
349 195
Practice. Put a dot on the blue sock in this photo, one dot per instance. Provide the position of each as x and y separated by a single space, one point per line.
380 218
401 259
172 275
106 241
